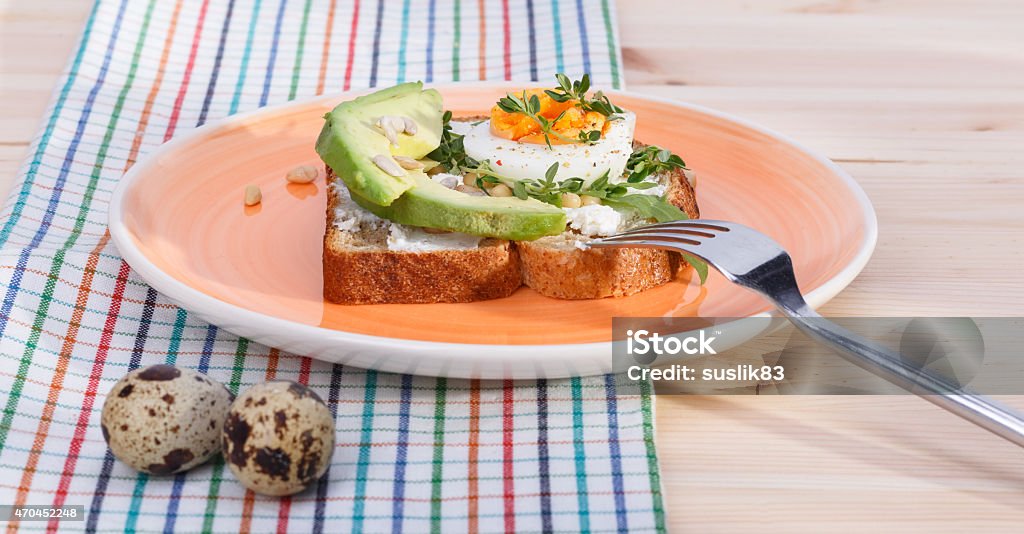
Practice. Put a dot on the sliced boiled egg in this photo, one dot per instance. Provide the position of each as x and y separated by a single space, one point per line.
516 148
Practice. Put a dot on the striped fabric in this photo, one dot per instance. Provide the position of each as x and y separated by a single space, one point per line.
413 453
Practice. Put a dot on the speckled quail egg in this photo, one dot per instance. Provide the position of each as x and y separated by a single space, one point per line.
278 438
163 419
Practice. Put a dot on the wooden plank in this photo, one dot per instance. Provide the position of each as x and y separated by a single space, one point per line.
36 40
921 103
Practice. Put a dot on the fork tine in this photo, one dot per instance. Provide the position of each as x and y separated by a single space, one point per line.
685 225
707 224
665 230
674 236
622 241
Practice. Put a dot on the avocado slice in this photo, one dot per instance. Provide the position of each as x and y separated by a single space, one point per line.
350 139
433 205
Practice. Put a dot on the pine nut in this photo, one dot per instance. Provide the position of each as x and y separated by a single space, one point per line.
390 126
409 126
500 190
253 195
303 174
472 191
429 165
587 200
470 179
389 165
408 163
571 200
451 182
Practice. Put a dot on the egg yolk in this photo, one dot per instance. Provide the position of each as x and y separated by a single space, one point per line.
519 127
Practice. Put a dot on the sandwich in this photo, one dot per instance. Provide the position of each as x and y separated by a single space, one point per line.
425 207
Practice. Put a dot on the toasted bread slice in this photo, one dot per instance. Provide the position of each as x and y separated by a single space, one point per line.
359 268
556 267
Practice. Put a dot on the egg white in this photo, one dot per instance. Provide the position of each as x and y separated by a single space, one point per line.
529 161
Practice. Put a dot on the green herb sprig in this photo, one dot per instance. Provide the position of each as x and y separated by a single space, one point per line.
547 189
451 154
550 191
567 90
577 90
530 106
644 162
616 195
645 206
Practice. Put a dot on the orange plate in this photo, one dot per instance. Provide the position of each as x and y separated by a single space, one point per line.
182 210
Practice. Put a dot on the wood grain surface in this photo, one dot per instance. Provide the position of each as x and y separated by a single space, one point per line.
923 103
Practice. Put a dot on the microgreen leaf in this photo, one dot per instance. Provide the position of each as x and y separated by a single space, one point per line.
567 90
549 174
450 154
572 185
557 97
519 190
480 185
644 162
563 82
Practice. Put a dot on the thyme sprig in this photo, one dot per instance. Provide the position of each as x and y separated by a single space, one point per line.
485 174
567 90
577 90
547 189
450 154
550 191
617 195
644 162
530 106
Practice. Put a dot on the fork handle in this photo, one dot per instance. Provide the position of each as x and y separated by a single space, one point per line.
986 413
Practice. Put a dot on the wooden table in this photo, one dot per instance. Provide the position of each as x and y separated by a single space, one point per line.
923 103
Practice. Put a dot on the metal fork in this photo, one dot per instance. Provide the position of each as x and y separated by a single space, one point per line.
753 260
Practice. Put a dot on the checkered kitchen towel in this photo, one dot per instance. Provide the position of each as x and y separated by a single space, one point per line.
413 453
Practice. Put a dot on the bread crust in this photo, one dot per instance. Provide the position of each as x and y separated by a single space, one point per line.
497 268
576 274
594 273
360 276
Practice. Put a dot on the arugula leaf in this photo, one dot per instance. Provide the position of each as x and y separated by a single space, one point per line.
648 207
662 211
659 209
699 265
